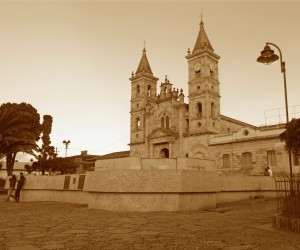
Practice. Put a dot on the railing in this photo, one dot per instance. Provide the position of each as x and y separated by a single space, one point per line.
278 116
288 203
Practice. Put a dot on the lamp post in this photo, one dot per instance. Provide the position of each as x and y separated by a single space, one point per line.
66 145
267 57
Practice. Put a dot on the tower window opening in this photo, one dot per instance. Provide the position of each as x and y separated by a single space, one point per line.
138 123
212 110
212 88
198 87
137 105
187 124
138 89
162 124
167 122
149 90
199 106
166 90
199 124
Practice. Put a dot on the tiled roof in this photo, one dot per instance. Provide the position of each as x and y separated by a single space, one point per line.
144 65
202 41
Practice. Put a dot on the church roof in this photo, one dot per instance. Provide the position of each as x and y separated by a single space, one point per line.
202 40
144 65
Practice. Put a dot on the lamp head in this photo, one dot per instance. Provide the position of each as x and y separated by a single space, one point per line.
267 56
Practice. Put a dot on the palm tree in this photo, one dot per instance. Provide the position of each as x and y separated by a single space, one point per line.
19 131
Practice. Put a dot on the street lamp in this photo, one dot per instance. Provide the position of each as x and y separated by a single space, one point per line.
66 144
267 57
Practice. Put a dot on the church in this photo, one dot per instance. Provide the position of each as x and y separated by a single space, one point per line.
164 126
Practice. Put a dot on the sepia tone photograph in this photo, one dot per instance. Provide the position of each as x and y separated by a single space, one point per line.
151 124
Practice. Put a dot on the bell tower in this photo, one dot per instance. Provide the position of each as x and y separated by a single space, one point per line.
203 86
143 92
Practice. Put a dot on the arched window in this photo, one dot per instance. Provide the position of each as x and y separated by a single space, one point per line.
138 123
199 106
164 153
167 122
166 90
138 89
162 124
212 110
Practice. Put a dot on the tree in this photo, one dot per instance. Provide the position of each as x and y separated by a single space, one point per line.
291 136
65 165
20 131
47 151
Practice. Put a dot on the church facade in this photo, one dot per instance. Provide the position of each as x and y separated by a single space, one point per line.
164 126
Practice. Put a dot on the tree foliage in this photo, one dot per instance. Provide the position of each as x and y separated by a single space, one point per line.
291 136
20 131
64 165
47 151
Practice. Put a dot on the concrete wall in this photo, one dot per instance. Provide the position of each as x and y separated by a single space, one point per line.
238 187
146 190
152 163
118 163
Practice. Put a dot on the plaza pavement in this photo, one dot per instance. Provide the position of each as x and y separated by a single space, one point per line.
52 225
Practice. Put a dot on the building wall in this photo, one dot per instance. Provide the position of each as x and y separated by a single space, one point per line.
258 150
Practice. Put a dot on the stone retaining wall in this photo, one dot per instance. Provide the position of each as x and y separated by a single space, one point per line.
146 190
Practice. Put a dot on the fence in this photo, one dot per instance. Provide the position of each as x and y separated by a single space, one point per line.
288 202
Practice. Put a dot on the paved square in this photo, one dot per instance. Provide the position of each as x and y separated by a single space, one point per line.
52 225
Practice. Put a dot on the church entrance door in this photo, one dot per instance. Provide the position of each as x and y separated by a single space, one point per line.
164 153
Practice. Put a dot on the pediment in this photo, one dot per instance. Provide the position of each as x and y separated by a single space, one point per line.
246 132
160 132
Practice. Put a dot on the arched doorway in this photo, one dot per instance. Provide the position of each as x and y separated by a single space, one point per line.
164 153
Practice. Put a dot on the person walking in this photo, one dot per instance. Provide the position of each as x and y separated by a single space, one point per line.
12 184
19 187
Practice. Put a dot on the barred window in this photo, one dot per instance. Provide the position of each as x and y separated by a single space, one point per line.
271 157
226 161
246 160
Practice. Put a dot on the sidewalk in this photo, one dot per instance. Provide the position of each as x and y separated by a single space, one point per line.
52 225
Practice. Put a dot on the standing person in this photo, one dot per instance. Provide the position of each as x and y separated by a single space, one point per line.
12 184
19 187
270 171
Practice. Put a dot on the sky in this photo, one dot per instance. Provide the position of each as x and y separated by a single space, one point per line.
73 60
